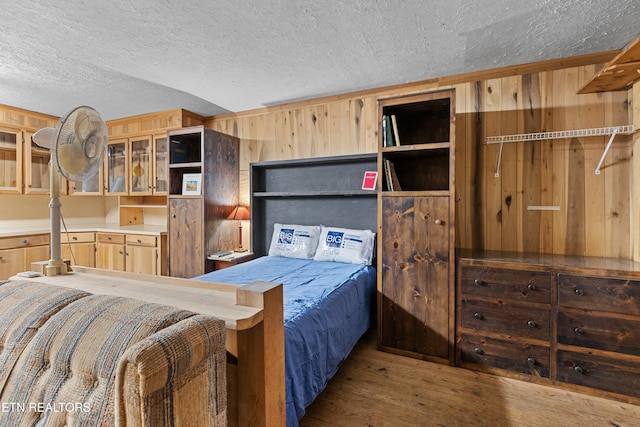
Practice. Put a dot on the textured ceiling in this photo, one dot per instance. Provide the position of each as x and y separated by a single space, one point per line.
128 57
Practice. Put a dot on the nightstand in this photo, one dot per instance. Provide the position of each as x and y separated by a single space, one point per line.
234 258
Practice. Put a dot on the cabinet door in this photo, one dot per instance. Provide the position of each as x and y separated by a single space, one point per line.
80 253
11 262
140 166
34 254
186 248
10 161
141 259
36 167
116 166
110 256
415 275
160 164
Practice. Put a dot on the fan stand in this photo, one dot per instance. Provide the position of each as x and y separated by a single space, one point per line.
56 266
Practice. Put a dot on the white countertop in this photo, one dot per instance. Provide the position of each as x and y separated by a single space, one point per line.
153 230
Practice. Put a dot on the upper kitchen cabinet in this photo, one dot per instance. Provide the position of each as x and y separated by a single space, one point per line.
116 165
11 161
137 164
24 167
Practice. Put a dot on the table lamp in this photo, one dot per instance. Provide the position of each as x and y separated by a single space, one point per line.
240 213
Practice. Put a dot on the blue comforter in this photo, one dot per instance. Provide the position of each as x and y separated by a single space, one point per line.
327 308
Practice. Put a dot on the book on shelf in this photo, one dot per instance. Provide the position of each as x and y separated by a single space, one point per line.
393 184
384 132
388 129
394 124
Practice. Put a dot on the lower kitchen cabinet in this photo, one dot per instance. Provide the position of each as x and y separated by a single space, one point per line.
17 253
110 251
79 248
137 253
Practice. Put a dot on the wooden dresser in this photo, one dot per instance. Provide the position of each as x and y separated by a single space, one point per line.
561 320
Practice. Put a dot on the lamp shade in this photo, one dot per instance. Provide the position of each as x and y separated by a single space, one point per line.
240 213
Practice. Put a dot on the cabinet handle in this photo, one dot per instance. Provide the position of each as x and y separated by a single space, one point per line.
478 351
578 369
478 282
139 241
74 238
531 287
531 324
531 361
578 331
1 258
25 241
478 316
108 238
439 222
579 292
120 252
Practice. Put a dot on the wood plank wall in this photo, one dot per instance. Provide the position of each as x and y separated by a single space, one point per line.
594 216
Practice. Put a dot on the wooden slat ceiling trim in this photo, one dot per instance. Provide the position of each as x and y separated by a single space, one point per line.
619 73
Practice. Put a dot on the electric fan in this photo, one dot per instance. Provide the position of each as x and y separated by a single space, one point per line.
77 144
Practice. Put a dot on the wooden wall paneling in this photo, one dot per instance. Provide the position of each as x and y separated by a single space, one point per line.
592 115
617 181
559 164
492 96
462 118
478 178
510 212
370 123
530 164
335 127
546 159
594 218
574 208
635 167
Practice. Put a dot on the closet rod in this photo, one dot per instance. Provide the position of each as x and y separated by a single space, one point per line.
563 134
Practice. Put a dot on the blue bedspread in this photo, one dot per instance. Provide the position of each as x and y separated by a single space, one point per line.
327 308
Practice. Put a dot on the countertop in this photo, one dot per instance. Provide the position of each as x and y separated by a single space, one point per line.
152 230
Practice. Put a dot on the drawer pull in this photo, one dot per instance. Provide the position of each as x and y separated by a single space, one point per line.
478 282
109 238
531 287
531 361
74 238
478 351
478 316
578 331
25 241
578 369
139 241
438 222
531 324
579 292
1 258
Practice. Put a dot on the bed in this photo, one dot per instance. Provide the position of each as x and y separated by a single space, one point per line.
328 305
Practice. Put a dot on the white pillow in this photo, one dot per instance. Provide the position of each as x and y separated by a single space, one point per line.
345 245
294 241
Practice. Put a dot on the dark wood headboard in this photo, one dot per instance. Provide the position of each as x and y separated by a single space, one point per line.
315 191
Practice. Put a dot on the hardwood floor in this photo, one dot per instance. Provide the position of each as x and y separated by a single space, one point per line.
376 389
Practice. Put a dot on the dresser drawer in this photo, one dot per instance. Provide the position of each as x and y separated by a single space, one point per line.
78 237
116 238
601 332
614 295
604 373
506 284
24 241
141 240
505 319
502 354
